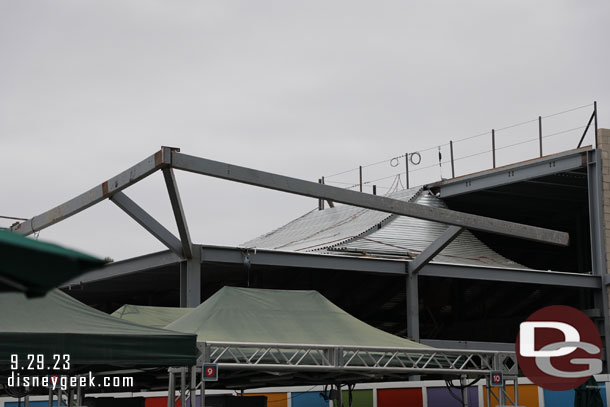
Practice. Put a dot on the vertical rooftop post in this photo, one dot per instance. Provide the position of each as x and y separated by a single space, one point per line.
493 146
540 133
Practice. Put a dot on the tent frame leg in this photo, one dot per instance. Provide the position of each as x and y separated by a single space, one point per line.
171 389
183 386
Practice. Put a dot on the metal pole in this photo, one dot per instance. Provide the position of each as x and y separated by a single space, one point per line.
50 397
361 178
171 389
27 400
339 396
374 189
464 390
183 386
488 392
79 394
452 165
540 133
595 112
59 396
202 398
193 389
493 146
407 168
320 201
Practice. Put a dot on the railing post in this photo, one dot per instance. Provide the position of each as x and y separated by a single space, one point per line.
321 201
540 133
374 189
452 165
407 168
493 146
595 113
361 178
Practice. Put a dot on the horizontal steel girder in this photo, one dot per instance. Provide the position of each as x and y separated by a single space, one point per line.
511 174
321 191
228 255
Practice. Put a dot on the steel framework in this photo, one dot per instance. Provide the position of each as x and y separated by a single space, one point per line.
337 365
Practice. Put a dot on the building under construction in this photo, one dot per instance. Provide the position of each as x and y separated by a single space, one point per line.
457 263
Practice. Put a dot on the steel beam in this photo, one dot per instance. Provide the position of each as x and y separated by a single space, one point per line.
130 266
228 255
510 174
216 254
524 276
147 222
174 197
435 248
320 191
96 194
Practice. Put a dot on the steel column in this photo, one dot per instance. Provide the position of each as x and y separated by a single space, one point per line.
598 239
147 222
376 202
412 306
190 280
174 197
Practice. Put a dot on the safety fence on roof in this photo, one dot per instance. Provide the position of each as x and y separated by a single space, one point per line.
544 135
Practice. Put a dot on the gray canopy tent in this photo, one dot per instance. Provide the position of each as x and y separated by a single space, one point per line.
260 337
150 316
59 324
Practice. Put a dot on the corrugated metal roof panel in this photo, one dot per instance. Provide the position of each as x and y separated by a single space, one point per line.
351 230
321 229
404 236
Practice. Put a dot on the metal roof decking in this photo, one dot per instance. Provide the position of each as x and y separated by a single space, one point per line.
402 236
364 232
320 229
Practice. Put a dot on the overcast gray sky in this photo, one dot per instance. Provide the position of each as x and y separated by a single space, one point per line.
89 88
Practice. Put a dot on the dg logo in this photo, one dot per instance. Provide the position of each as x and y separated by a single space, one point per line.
559 348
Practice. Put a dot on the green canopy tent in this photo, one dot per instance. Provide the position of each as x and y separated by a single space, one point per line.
35 267
59 324
150 316
280 316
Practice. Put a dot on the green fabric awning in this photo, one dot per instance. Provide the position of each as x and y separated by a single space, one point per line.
59 324
280 316
35 267
150 316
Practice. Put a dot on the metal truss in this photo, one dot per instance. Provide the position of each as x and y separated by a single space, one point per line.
349 359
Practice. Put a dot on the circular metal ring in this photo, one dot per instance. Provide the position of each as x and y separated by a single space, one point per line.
417 161
394 162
